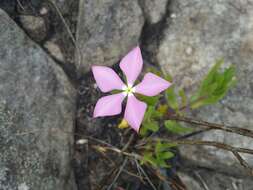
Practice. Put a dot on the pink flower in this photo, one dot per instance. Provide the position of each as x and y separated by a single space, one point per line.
107 80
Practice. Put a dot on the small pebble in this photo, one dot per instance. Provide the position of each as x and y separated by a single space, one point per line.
34 26
43 11
173 15
82 141
54 50
189 50
95 86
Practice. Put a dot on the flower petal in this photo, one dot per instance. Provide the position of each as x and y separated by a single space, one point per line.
107 79
134 112
152 85
131 65
109 105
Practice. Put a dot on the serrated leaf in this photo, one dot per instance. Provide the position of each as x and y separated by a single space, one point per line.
175 127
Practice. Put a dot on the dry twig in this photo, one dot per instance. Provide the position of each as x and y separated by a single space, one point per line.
215 126
145 174
79 55
118 174
234 150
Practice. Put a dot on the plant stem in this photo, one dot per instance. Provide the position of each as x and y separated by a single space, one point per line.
215 126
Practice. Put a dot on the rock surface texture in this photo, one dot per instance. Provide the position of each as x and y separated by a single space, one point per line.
199 33
200 179
35 27
36 115
154 10
106 31
38 105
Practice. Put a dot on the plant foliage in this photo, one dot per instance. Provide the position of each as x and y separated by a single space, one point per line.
212 89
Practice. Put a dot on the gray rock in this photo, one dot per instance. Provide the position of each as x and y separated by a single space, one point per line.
203 179
34 26
36 115
54 50
61 17
106 31
198 34
189 181
154 10
65 6
8 6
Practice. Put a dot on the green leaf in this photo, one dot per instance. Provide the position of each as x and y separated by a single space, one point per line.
162 154
198 104
168 77
158 147
143 130
162 109
229 73
155 71
151 113
175 127
163 164
149 158
150 100
183 98
172 98
149 123
116 91
215 86
211 74
167 155
158 154
170 145
152 126
161 147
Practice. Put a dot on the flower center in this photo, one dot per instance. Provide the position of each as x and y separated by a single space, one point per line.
128 90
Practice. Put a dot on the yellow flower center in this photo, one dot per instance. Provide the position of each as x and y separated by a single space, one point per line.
128 90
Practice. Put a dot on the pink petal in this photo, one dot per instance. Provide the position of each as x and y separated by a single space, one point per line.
134 112
152 85
109 105
131 65
106 78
